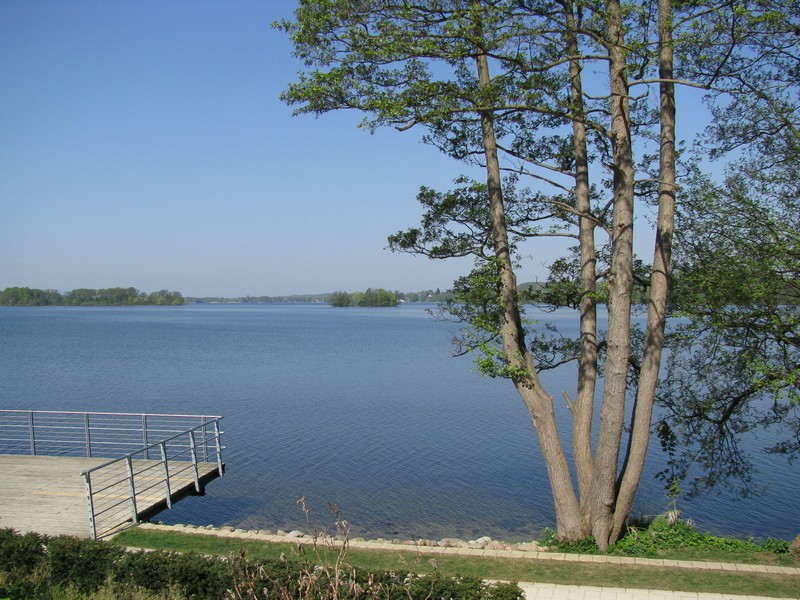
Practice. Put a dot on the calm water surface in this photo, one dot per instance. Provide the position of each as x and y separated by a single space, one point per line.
365 408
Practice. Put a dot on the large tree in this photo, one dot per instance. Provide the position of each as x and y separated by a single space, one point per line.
494 79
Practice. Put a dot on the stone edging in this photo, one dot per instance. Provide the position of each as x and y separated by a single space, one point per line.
489 548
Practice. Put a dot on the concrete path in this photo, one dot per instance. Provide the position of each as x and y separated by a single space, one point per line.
537 591
552 591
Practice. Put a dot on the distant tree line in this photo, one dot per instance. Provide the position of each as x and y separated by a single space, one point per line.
23 296
425 296
372 297
302 298
421 296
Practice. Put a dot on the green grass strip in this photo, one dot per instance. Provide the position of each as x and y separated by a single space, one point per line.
513 569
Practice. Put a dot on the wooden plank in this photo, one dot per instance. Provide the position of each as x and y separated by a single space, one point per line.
48 494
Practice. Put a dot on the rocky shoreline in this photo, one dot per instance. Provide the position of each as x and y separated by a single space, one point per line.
297 536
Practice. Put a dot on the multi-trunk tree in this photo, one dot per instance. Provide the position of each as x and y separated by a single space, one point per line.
502 85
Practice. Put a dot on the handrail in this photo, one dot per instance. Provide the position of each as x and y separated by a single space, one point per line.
73 433
150 447
113 484
112 414
114 488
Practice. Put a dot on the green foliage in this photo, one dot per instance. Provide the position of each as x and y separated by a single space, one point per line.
88 297
435 586
22 296
734 361
67 568
666 534
372 297
83 564
504 591
21 552
584 546
670 534
121 297
775 546
195 576
551 540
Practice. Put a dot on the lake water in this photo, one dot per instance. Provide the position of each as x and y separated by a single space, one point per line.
365 408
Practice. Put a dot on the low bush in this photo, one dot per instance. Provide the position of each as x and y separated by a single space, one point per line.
664 534
776 546
68 568
21 552
82 564
194 576
654 537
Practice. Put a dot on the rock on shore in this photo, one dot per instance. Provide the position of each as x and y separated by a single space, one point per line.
481 543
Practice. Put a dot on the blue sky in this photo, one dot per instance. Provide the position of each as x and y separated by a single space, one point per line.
144 144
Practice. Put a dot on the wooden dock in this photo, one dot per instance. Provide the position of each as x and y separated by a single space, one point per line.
47 494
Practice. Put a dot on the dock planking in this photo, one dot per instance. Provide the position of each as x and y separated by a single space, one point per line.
47 494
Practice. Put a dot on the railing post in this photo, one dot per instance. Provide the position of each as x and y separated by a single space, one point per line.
144 437
194 461
132 488
205 439
219 447
87 431
90 504
31 433
168 491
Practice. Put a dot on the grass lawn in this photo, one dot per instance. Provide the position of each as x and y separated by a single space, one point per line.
572 573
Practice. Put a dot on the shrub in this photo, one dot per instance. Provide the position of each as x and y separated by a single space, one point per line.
435 586
20 552
83 564
199 576
668 534
143 569
586 546
504 591
775 546
68 568
195 576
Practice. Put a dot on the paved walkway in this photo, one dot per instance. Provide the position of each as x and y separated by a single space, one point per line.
537 591
552 591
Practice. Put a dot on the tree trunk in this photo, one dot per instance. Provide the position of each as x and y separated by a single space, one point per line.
612 411
538 402
659 282
583 409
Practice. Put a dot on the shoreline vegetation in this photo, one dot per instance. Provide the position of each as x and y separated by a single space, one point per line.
151 561
664 537
534 292
665 553
24 296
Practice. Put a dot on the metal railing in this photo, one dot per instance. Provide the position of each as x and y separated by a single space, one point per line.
117 489
103 434
188 450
